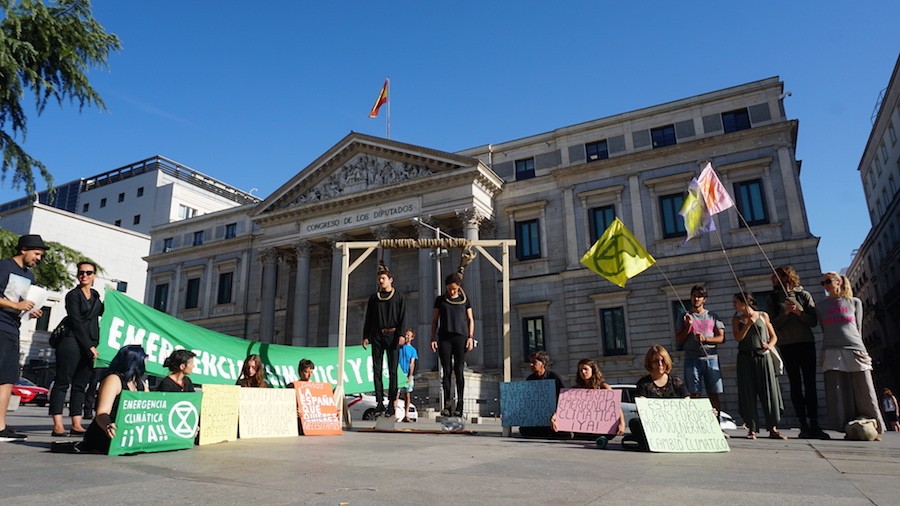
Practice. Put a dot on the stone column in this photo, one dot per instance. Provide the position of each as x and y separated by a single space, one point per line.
427 358
334 302
174 302
301 294
471 219
269 259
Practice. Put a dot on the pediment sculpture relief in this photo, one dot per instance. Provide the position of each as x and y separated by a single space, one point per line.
362 173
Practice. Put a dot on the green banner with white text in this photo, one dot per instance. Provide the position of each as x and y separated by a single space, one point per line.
219 356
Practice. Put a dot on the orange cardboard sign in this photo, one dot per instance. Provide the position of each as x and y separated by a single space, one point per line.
318 412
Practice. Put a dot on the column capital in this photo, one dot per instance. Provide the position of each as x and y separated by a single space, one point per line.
383 231
268 255
302 248
336 238
471 216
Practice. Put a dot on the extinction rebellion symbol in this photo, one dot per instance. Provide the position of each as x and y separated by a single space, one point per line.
183 419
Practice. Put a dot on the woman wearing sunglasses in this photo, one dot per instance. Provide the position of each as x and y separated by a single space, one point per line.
658 384
76 351
849 390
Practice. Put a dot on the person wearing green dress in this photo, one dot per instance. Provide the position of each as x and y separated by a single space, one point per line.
755 370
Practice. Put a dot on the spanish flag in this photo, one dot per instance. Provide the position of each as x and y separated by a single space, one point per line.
381 100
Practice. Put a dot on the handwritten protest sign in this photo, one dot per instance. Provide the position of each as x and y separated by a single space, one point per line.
318 411
587 410
681 425
268 412
219 414
155 422
527 403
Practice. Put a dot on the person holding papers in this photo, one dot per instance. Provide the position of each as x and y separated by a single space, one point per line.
15 280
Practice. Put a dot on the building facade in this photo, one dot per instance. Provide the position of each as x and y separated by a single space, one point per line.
875 269
114 248
554 193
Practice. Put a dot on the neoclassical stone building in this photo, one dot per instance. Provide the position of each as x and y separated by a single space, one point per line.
269 271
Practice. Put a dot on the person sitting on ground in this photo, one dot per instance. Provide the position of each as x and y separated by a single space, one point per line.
540 362
180 363
126 372
253 374
658 384
305 368
590 377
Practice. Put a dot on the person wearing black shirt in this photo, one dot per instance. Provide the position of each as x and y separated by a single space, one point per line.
76 350
180 363
658 384
539 363
452 333
15 279
385 313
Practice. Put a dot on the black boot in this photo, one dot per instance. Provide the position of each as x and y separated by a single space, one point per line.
815 431
805 432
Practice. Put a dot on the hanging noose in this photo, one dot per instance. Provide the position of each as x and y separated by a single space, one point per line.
468 253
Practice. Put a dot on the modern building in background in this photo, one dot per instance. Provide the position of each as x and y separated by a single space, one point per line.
108 218
141 195
875 269
269 271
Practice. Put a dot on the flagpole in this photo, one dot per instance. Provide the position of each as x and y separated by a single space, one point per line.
389 108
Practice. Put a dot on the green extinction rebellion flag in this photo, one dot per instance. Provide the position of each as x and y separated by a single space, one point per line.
155 422
219 356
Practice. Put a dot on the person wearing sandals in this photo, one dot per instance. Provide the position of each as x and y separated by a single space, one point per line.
755 370
76 351
126 372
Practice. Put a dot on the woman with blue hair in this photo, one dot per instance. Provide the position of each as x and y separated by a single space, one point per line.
126 372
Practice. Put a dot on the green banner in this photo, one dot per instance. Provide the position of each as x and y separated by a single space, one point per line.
155 422
219 356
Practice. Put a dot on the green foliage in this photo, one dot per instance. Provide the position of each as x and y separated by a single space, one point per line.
46 48
57 269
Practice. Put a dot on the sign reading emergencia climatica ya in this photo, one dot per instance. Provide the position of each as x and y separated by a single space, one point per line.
373 215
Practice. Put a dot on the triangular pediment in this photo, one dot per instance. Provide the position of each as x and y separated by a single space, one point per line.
360 164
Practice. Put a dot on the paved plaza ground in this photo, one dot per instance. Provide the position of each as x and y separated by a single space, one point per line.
361 468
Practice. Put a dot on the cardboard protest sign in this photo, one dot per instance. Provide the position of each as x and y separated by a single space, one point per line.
219 414
527 403
155 422
318 412
268 412
593 411
681 425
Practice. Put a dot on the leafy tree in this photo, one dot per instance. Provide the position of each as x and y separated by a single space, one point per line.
46 47
56 270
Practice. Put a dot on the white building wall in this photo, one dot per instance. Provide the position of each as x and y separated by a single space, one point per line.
118 251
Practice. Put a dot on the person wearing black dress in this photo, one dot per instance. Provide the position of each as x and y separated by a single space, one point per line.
76 351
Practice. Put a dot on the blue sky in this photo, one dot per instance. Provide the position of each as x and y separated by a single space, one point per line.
251 92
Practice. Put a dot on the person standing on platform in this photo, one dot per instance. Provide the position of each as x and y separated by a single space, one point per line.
76 351
385 313
793 317
700 332
15 279
452 335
